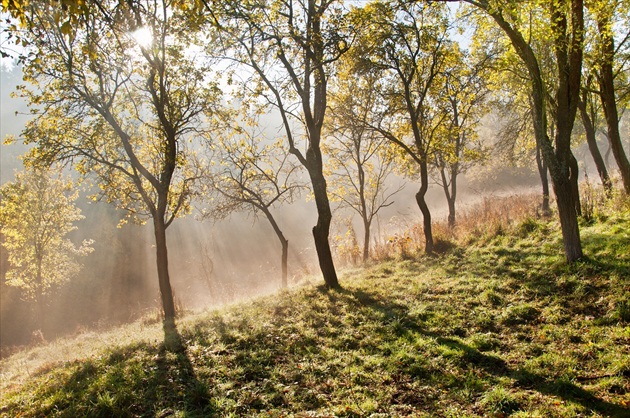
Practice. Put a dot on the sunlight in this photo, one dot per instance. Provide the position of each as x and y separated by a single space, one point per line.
143 36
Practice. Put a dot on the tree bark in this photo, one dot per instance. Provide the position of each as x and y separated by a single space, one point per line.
451 212
544 181
321 230
285 260
283 242
166 292
424 208
39 290
607 95
364 210
568 221
366 240
574 178
591 140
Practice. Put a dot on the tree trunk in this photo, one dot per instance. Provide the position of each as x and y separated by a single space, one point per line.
451 212
574 173
453 196
607 95
166 293
424 208
591 140
285 258
450 195
283 242
40 311
544 181
322 229
364 211
568 221
366 240
39 291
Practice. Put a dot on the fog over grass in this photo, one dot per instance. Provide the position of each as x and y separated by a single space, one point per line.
211 263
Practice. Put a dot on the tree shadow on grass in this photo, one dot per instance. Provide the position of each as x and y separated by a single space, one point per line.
525 379
493 365
136 380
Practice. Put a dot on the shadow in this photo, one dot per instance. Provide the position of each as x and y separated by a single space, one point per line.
174 380
397 321
140 379
562 387
408 328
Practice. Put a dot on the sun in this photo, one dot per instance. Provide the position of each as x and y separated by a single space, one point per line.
143 36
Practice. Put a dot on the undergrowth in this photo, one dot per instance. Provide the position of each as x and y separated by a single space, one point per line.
497 325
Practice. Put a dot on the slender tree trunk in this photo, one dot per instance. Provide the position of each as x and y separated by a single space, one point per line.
166 292
449 193
285 260
39 291
283 242
321 230
574 173
607 94
544 181
591 140
424 208
366 240
364 209
453 196
39 309
451 213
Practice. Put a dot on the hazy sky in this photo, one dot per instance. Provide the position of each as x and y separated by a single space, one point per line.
10 123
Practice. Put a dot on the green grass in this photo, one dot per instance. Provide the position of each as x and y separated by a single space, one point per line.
499 327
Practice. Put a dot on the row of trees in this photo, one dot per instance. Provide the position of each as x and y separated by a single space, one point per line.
160 101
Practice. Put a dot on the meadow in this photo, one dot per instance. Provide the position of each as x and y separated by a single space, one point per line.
495 324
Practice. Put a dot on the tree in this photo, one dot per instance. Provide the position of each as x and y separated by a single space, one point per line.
359 161
405 43
249 174
564 27
290 47
512 101
37 212
466 92
589 115
120 96
605 12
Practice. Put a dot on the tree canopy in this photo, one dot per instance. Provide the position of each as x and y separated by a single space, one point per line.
37 212
123 110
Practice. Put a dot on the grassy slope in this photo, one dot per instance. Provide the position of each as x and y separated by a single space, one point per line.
499 326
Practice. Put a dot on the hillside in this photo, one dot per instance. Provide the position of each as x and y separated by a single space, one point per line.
497 325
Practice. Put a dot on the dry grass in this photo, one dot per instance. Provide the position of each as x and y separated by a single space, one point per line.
491 217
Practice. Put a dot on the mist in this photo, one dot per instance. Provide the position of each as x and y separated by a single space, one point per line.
212 263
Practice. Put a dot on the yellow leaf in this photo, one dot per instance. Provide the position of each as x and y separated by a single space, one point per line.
66 28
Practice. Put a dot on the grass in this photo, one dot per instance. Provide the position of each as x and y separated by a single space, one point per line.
499 325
